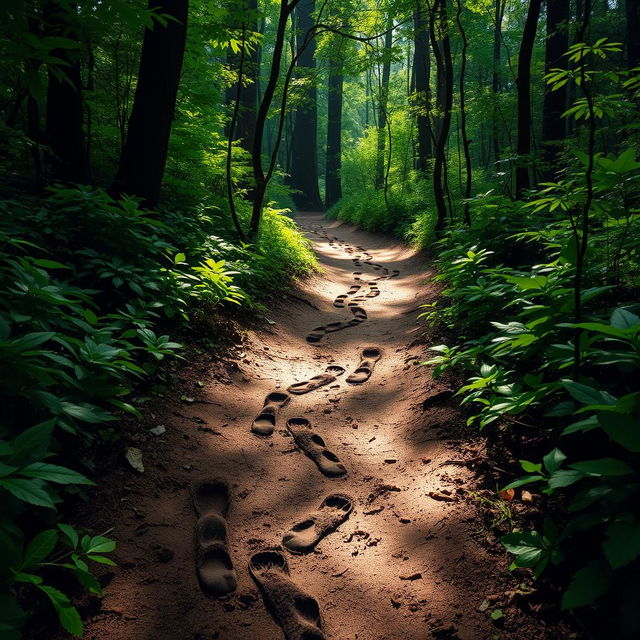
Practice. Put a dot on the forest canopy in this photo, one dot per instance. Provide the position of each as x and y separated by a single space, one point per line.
152 159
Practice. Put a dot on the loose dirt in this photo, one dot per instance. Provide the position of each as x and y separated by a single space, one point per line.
411 561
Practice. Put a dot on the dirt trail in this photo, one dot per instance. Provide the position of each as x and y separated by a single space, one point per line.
403 566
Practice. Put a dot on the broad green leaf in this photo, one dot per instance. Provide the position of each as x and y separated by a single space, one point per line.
70 533
67 613
603 467
100 544
587 395
623 319
521 482
32 444
587 585
565 477
54 473
28 490
553 460
39 548
530 467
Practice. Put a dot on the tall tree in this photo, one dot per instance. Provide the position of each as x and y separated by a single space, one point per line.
64 113
498 17
383 103
554 129
463 116
144 155
441 44
304 155
633 33
422 82
523 83
262 177
334 133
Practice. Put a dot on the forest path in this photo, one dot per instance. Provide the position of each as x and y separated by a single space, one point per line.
403 566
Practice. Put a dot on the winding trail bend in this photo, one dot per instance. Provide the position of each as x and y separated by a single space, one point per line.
403 566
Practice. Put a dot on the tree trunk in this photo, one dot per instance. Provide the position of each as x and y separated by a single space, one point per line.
633 33
422 80
441 45
304 154
261 178
524 97
554 129
145 152
64 113
495 75
383 99
463 119
334 134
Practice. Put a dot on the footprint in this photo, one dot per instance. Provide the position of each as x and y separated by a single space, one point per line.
339 302
370 355
305 535
214 567
353 289
265 421
322 379
314 447
297 612
360 315
373 293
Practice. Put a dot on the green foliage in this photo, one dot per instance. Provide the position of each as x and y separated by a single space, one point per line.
91 291
571 377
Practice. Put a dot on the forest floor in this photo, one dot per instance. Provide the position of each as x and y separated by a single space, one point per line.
405 565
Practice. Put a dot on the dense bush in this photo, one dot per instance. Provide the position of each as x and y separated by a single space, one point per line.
90 292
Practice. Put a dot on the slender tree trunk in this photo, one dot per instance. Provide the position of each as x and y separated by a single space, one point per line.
633 33
422 79
383 100
304 154
463 119
554 129
334 134
261 178
64 115
145 152
523 83
442 51
495 75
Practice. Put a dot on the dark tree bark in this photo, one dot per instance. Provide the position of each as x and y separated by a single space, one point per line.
64 113
554 129
145 151
463 118
498 16
523 83
633 33
304 155
383 99
334 134
441 45
422 80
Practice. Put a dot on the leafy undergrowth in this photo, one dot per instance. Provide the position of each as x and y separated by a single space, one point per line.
569 415
92 293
